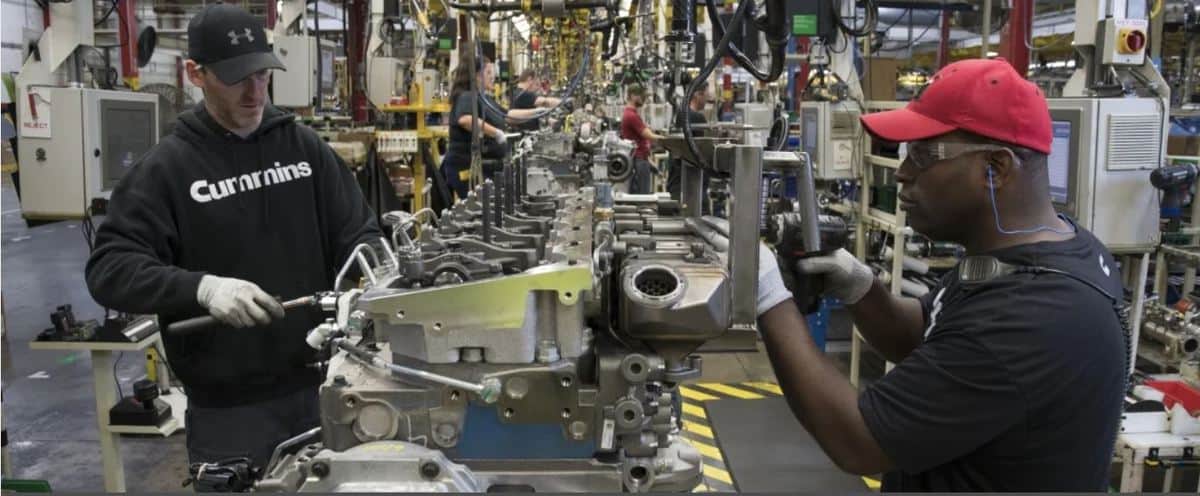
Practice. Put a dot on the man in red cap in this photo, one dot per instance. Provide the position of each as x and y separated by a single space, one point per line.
1011 374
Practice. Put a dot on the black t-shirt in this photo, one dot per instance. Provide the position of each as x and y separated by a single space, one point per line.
525 99
1018 385
460 139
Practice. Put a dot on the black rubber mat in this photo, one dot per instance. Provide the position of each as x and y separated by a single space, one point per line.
767 450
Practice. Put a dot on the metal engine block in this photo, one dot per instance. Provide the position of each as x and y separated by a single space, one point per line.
518 342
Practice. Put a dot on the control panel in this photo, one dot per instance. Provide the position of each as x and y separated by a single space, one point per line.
1125 41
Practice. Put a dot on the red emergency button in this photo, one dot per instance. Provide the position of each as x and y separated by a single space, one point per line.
1132 41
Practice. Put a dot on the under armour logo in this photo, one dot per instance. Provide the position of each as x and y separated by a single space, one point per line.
235 38
1104 266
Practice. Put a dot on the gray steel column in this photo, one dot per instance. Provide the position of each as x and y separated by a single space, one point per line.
691 186
743 243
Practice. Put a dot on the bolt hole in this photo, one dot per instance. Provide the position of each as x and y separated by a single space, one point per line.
1191 345
566 413
508 413
350 402
568 294
629 415
454 395
400 314
437 326
639 473
566 382
635 368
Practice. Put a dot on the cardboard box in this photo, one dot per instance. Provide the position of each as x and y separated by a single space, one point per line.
1183 145
880 81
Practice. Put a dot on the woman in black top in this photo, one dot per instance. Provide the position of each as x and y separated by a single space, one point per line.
457 162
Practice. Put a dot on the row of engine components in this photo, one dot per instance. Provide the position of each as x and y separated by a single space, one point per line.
585 316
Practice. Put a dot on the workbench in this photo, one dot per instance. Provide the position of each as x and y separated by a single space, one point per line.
103 357
1136 451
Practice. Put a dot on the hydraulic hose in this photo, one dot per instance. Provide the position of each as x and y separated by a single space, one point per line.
777 38
722 49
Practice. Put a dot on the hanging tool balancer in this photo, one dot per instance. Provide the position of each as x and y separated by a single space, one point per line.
804 233
788 233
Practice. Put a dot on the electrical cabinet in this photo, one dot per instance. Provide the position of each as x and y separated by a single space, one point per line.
297 86
86 142
831 134
1099 167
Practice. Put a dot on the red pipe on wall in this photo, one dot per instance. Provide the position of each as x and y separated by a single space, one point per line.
803 45
272 14
126 31
1015 35
357 49
944 44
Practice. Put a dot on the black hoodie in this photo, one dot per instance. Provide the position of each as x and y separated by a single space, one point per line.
277 208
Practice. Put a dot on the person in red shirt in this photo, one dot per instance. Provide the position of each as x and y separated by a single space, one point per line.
636 130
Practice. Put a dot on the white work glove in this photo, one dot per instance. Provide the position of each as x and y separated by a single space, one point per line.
500 137
845 277
236 302
771 290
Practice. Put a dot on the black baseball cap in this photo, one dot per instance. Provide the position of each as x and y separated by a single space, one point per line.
230 42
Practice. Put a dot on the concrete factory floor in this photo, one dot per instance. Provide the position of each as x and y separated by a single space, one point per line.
48 396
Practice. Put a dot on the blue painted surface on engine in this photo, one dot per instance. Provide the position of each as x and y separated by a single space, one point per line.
484 436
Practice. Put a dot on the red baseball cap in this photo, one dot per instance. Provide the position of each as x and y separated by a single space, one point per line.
982 96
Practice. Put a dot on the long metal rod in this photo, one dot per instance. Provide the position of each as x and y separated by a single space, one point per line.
986 29
488 390
1189 66
1138 304
806 194
291 443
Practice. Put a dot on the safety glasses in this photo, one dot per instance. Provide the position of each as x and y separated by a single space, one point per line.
924 154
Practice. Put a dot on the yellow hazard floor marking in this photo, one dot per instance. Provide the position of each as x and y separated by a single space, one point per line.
730 391
696 428
695 395
766 386
694 410
718 474
702 489
872 484
707 450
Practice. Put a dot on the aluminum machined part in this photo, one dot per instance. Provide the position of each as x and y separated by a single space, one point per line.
380 466
1180 338
425 324
572 312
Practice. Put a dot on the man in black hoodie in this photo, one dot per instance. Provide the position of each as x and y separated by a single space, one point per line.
240 203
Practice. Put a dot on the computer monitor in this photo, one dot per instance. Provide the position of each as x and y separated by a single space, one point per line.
328 76
810 130
1062 165
1058 163
129 130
